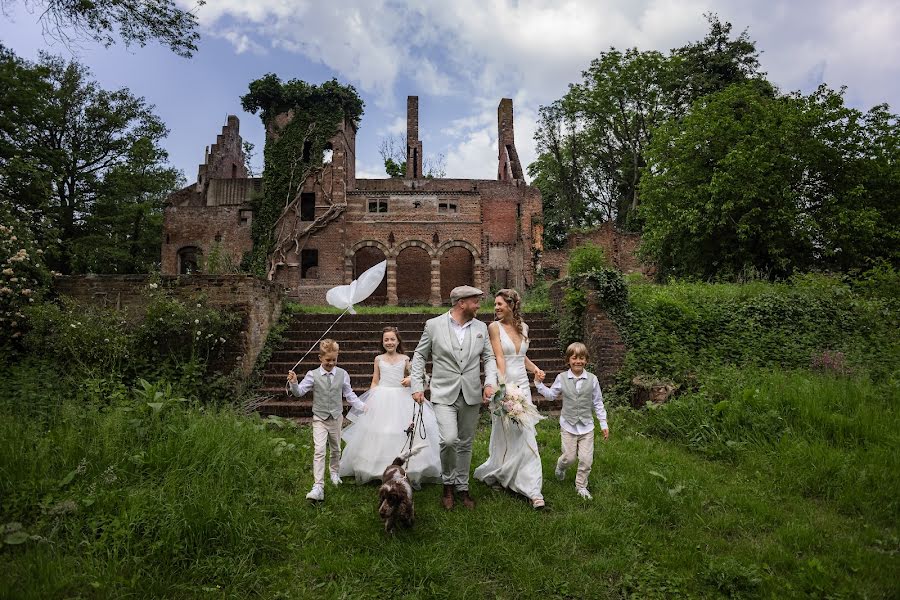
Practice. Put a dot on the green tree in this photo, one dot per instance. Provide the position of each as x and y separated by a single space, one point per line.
592 142
70 149
132 21
714 63
772 184
122 233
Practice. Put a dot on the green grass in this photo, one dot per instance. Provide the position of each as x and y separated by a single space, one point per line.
761 484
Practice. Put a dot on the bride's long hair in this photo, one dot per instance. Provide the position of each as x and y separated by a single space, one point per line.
514 300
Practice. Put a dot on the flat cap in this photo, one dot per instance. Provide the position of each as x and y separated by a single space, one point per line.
464 291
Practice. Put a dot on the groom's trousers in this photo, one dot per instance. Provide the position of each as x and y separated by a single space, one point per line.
456 427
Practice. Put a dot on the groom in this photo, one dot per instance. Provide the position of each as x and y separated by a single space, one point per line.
457 344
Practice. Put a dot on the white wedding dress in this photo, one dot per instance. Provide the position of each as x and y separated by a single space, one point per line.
513 462
377 436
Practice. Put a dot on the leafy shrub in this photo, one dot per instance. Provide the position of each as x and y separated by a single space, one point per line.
611 293
174 339
88 341
677 330
586 258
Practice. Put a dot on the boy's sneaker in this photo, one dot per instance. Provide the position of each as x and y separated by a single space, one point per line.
584 493
560 473
317 493
336 479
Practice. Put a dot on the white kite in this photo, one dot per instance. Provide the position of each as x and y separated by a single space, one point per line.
345 296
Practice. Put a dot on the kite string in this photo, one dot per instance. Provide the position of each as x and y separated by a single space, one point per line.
321 337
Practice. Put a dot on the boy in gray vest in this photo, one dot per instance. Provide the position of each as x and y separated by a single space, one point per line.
580 393
329 384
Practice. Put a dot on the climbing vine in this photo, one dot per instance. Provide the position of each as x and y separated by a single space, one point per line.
300 119
612 294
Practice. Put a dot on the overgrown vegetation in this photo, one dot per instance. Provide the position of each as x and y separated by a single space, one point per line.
589 272
179 341
300 119
680 330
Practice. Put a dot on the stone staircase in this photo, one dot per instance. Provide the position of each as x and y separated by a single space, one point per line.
359 337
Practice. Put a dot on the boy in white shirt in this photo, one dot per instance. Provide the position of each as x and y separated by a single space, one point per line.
329 384
580 393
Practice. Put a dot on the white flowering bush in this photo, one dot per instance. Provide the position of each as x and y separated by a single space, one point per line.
24 278
174 340
88 340
180 331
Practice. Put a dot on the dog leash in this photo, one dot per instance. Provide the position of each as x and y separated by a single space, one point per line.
416 426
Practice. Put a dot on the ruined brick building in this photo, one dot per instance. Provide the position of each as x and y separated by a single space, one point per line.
435 233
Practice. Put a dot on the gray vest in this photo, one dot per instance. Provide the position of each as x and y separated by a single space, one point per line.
577 406
328 400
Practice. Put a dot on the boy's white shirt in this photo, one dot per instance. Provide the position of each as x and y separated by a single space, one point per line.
553 392
300 389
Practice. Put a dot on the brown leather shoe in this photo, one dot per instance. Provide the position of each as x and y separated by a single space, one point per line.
467 500
447 499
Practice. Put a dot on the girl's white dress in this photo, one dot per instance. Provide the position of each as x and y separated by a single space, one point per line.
514 462
378 435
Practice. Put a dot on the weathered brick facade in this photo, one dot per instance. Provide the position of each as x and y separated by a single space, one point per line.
620 248
434 233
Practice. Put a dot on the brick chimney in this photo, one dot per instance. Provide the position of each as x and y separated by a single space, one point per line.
509 167
413 143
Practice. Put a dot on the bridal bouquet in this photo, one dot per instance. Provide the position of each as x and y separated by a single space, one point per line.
509 402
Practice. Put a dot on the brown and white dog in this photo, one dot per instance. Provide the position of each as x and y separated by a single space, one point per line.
396 498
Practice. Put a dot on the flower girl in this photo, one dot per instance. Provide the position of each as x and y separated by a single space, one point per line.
378 433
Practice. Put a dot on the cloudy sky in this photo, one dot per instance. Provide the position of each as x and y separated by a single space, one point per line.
461 58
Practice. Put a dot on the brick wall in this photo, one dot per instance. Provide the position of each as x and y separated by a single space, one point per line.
225 158
457 268
258 302
600 334
206 228
413 276
329 243
620 247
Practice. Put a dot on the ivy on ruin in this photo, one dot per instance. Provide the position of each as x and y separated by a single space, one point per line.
300 119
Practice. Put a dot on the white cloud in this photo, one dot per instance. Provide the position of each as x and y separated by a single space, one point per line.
482 50
242 43
395 127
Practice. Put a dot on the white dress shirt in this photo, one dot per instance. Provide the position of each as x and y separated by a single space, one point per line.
459 330
553 392
302 388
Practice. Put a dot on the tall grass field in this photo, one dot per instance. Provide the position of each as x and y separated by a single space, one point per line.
773 473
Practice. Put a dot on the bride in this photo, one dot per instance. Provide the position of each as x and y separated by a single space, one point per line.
514 462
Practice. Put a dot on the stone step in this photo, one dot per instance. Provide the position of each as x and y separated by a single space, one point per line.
360 380
359 336
351 353
348 341
406 330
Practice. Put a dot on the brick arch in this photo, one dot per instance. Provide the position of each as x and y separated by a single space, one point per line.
456 243
358 245
366 257
460 264
432 252
414 272
189 259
